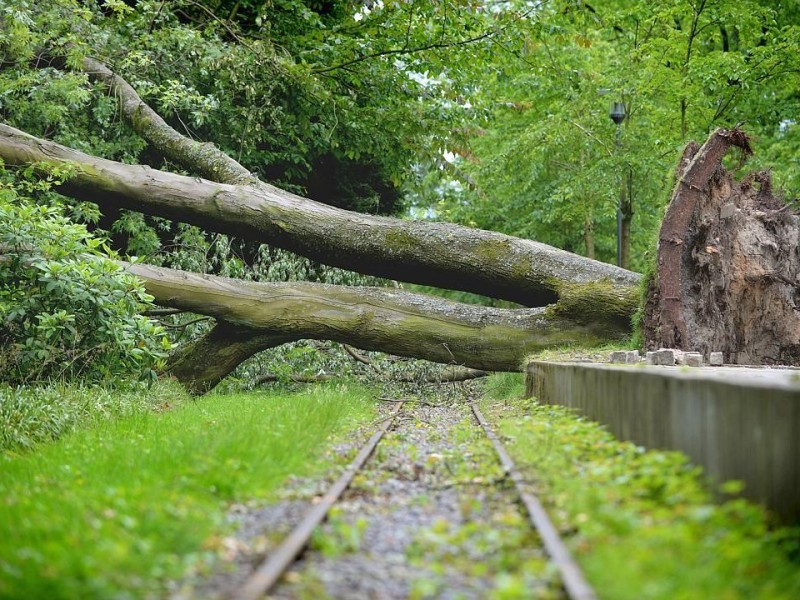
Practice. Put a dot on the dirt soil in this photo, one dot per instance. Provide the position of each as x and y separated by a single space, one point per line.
728 263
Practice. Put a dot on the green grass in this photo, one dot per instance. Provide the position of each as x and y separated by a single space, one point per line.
646 525
117 508
33 415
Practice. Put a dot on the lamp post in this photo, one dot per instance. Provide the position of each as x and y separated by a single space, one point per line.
617 115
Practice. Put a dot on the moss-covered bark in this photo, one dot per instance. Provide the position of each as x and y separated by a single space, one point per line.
437 254
260 315
253 317
204 362
202 158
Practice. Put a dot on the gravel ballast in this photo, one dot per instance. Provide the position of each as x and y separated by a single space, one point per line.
430 516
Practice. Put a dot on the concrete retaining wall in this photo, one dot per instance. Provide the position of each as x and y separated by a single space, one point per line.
739 424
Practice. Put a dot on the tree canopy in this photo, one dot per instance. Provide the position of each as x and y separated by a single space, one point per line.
547 165
489 114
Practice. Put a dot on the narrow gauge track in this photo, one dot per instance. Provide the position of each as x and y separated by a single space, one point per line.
267 575
575 584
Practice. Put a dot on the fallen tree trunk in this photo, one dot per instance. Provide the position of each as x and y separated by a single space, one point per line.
594 301
203 363
254 316
438 254
728 271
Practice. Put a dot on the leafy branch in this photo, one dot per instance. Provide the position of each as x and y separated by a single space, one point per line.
440 45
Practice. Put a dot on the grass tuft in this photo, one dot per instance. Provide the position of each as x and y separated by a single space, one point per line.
34 415
117 509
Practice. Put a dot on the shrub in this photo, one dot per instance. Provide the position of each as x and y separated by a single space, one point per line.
66 309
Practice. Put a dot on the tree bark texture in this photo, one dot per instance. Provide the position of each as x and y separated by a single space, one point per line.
203 363
626 206
437 254
253 316
728 271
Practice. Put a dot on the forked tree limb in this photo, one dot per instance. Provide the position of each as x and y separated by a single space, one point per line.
255 316
203 159
437 254
594 300
203 363
209 162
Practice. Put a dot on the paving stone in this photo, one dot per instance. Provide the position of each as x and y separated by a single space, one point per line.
664 356
619 356
625 356
693 359
716 359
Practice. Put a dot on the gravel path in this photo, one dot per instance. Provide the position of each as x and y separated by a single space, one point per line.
429 517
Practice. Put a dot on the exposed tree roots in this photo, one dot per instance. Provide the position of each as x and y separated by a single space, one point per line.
728 272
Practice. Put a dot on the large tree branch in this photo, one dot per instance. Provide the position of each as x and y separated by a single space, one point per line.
204 362
202 158
255 316
437 254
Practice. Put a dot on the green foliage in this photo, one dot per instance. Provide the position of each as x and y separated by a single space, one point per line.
547 165
340 535
646 525
122 509
67 310
34 415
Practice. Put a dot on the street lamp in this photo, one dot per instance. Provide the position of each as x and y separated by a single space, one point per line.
617 114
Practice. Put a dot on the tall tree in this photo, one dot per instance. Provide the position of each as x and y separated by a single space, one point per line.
594 301
548 166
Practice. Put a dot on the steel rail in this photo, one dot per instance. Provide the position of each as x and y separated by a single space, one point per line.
271 570
575 584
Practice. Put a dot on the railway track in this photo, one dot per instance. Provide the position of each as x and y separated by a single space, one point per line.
267 574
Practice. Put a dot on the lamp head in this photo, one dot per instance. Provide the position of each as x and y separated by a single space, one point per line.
617 112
